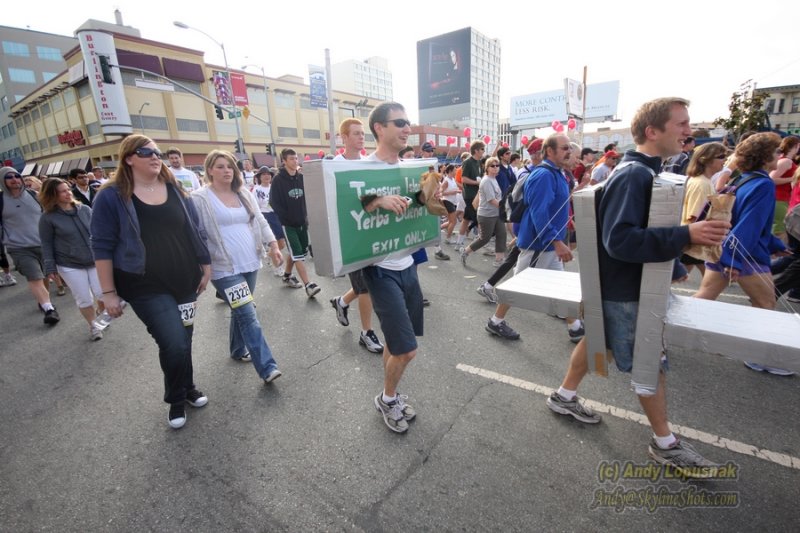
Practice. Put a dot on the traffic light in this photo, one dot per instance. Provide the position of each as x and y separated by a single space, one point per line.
238 146
271 149
220 116
105 68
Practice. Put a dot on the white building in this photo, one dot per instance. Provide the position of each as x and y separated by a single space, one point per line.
459 81
370 77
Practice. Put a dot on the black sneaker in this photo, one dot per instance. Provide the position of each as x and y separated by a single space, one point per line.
51 317
370 341
341 311
441 255
177 415
195 398
502 330
682 457
573 408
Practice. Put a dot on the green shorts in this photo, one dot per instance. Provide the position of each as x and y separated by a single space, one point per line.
297 241
778 225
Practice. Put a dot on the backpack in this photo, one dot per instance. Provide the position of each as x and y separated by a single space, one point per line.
515 199
792 222
729 189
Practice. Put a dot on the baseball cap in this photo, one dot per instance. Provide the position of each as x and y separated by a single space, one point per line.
611 154
535 146
427 147
587 151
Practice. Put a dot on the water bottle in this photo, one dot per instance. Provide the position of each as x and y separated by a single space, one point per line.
104 320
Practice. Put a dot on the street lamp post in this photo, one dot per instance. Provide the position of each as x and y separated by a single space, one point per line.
141 119
266 97
239 141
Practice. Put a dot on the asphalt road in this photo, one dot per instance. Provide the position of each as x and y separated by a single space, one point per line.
85 444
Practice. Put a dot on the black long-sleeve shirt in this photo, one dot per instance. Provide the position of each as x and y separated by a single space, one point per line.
288 199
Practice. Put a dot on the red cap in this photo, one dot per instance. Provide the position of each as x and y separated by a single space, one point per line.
535 146
611 154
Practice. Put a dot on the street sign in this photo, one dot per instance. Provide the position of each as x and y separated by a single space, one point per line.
238 114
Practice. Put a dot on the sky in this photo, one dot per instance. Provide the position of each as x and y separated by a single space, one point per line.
703 51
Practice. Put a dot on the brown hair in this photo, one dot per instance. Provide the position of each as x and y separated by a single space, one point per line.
788 143
212 157
655 113
756 151
48 196
123 176
704 155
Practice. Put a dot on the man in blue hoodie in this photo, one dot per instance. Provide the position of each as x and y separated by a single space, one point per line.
659 129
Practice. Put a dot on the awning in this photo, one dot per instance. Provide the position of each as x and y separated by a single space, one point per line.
29 168
261 160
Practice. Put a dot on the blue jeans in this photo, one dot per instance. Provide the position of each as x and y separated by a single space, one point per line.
245 330
159 313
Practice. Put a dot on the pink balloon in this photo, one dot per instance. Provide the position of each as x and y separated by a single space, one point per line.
363 151
559 128
466 144
487 139
307 158
450 141
555 124
505 145
467 131
571 123
321 154
525 140
340 151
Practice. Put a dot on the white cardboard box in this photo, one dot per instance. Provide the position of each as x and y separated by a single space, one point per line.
343 236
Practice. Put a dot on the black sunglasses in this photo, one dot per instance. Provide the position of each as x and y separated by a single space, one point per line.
11 175
492 166
399 122
145 152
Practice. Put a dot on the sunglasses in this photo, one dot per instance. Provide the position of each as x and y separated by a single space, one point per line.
148 152
723 156
492 166
12 175
399 122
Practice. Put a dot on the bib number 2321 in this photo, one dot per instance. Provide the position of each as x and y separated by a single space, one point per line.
239 295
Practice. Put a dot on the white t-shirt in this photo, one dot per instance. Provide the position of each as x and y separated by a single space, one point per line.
450 186
237 237
399 260
601 172
341 157
247 176
261 192
186 178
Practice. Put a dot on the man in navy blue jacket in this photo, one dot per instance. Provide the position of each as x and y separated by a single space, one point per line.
659 129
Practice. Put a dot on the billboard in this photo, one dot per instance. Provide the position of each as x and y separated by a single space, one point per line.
102 70
231 93
541 109
318 90
443 69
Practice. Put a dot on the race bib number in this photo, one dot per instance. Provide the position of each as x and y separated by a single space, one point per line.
187 313
239 295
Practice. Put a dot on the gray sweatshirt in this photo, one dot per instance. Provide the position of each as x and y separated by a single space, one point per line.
65 238
20 218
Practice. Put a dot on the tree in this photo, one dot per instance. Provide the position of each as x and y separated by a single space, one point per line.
747 113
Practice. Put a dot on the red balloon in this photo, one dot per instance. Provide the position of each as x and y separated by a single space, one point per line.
363 151
571 123
559 128
555 124
467 131
450 141
466 144
505 145
487 139
340 151
307 158
321 154
525 140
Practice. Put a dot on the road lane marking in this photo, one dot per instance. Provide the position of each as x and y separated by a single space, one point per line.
725 294
690 433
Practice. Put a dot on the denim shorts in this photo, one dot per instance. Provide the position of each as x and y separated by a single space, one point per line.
274 224
397 300
619 321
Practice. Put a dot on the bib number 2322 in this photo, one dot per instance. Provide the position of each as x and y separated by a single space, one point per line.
239 295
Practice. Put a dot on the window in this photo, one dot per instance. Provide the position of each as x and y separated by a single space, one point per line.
69 96
780 105
795 105
56 103
311 134
305 102
150 122
284 100
769 107
185 124
21 75
287 132
48 53
19 122
35 114
43 144
4 103
26 119
45 109
16 49
93 129
83 89
47 76
5 132
193 85
54 140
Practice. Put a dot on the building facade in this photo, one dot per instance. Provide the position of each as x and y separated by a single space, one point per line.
169 94
29 59
783 106
371 78
459 82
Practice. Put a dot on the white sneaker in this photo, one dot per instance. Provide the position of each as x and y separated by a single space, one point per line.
96 333
7 280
